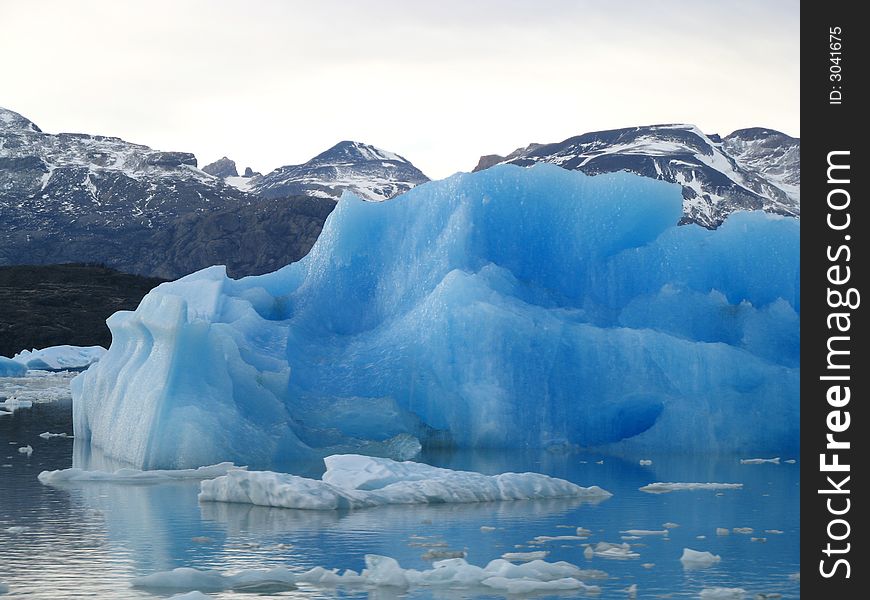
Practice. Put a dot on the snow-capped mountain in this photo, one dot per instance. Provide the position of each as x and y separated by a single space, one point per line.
73 197
751 169
369 172
86 181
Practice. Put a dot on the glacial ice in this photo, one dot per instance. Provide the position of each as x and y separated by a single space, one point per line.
60 358
384 571
11 368
508 308
354 481
697 559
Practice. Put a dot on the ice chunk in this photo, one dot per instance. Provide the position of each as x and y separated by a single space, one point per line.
486 529
494 309
743 530
11 368
722 531
354 481
645 531
670 525
47 435
610 550
194 595
60 358
695 559
14 403
645 462
76 475
28 450
723 593
384 571
525 556
759 461
543 539
665 488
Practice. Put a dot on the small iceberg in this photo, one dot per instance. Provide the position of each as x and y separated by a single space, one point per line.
60 358
696 559
354 481
76 475
665 488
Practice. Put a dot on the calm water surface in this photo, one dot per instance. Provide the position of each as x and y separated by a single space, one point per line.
90 540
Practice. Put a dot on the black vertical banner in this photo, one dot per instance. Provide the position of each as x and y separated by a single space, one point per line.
834 341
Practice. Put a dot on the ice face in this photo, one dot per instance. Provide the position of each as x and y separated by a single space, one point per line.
507 308
11 368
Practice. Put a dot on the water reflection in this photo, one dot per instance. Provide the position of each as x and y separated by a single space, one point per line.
97 536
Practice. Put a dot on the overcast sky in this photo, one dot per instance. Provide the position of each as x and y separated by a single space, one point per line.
271 82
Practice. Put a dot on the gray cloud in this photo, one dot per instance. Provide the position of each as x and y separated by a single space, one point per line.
273 82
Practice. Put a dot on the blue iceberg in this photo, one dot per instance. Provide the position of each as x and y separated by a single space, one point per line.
509 308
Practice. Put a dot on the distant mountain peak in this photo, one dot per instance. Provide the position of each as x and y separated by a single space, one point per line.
223 168
10 120
358 152
368 171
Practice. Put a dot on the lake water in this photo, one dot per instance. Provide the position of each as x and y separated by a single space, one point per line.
90 540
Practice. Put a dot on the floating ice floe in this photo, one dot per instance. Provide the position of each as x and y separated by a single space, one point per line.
28 450
75 475
383 571
47 435
696 559
670 525
610 550
486 529
645 532
743 530
723 531
645 462
664 488
16 529
355 481
525 556
722 593
759 461
14 403
543 539
194 595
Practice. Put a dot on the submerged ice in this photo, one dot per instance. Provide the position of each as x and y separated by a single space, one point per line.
508 308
